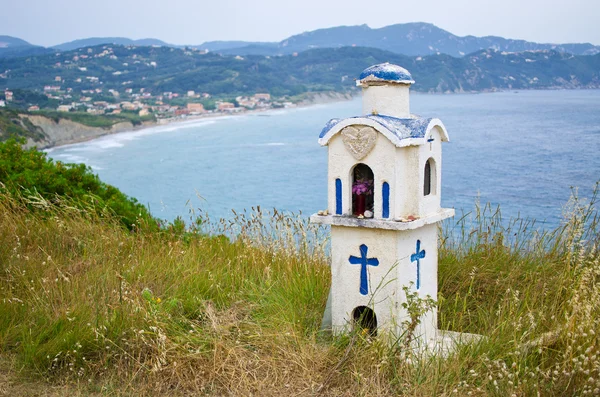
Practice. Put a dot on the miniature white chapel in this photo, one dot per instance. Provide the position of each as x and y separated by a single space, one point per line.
384 188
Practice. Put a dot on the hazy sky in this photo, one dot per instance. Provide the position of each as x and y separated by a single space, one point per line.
50 22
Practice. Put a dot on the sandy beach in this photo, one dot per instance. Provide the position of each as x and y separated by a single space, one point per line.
67 132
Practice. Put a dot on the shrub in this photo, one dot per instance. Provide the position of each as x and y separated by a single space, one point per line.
33 171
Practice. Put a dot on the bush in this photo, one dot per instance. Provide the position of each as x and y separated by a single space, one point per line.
34 171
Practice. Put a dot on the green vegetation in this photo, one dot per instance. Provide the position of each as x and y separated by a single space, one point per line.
25 98
93 120
32 171
13 126
88 304
165 69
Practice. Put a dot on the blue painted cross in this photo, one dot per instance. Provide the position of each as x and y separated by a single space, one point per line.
363 261
420 254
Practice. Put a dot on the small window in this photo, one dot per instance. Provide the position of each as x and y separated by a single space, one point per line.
428 187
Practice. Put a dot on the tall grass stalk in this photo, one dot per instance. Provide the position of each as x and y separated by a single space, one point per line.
99 309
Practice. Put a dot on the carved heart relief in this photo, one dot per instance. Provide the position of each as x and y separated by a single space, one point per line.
359 140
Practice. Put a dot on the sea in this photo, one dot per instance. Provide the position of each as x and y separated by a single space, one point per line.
525 151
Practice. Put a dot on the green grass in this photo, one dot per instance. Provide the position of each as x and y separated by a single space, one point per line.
84 301
101 121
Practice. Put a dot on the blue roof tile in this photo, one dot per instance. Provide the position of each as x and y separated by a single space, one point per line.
385 72
330 124
401 128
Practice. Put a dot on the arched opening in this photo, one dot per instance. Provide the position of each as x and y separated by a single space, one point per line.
365 318
362 190
429 178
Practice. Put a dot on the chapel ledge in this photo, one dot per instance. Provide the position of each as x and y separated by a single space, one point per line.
388 224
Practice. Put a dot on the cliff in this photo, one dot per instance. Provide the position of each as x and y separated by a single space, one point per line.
66 131
317 98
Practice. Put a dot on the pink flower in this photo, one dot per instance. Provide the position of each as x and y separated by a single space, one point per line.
362 186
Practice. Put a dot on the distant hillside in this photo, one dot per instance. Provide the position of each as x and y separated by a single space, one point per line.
162 69
93 41
23 51
411 39
209 45
9 41
227 45
15 47
408 39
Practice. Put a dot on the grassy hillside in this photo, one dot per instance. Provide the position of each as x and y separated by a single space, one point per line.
33 172
159 70
91 306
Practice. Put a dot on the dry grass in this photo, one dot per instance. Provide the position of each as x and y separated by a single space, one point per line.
89 308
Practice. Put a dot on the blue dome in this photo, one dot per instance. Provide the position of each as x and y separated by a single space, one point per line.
385 72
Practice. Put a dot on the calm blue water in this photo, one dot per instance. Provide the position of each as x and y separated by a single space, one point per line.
520 150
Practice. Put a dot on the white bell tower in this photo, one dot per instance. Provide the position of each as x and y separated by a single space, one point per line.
384 189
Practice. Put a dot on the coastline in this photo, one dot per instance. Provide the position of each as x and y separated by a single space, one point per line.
316 99
223 148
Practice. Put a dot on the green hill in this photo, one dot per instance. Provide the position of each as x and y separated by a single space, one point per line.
158 70
15 47
10 41
94 41
413 39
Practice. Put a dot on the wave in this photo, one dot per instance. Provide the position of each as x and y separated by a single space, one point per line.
120 139
181 125
244 145
70 158
73 158
260 144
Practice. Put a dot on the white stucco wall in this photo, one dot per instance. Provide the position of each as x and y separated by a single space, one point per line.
431 203
407 274
385 295
389 100
402 168
345 286
342 163
406 190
